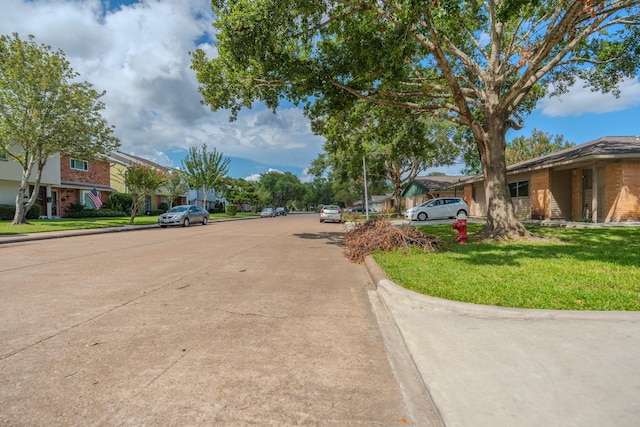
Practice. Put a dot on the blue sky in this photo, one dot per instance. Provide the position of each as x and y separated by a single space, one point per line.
138 52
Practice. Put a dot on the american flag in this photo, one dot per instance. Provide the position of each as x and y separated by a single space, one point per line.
95 198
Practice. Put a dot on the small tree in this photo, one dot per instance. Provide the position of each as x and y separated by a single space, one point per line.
175 186
205 170
239 191
141 182
43 112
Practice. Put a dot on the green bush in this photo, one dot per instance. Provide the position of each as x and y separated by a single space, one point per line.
7 212
81 211
231 210
120 202
163 207
218 207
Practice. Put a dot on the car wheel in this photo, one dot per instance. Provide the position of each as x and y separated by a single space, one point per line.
322 220
186 222
422 216
204 221
461 211
163 226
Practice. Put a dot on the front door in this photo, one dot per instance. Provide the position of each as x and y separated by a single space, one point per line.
54 203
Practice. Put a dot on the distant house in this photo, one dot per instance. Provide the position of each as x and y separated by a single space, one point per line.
424 188
196 197
381 203
120 162
598 181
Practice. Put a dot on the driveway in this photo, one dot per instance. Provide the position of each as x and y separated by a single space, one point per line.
260 322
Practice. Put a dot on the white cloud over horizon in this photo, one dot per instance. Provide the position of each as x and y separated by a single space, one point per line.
582 100
137 51
138 54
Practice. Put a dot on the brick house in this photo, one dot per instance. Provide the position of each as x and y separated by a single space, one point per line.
77 179
598 181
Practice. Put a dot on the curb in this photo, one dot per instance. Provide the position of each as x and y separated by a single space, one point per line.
420 301
28 237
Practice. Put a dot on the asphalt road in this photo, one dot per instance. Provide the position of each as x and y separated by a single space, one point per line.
260 322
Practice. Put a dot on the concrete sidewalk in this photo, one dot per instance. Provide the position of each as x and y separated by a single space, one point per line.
493 367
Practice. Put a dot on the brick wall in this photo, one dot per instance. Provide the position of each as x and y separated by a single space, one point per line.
540 195
622 191
98 173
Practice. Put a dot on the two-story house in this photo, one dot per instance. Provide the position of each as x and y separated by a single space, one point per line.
11 175
119 162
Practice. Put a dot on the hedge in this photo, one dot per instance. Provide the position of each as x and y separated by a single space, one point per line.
7 212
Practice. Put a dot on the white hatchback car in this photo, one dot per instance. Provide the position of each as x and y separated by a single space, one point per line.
443 207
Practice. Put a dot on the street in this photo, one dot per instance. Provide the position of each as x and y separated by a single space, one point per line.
260 322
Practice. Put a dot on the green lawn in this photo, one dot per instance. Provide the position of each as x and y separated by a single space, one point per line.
585 269
43 225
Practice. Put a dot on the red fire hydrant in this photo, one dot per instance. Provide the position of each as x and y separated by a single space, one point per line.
461 226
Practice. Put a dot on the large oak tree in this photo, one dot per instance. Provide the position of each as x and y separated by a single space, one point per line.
481 64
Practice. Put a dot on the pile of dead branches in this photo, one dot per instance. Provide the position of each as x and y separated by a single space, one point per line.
381 234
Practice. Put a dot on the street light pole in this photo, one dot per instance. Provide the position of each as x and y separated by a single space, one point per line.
366 197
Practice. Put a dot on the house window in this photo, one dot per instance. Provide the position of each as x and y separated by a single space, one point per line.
587 177
80 165
519 189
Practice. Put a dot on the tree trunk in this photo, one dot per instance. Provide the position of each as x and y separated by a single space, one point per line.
502 222
20 216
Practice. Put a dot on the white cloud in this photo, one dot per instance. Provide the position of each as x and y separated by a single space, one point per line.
581 100
139 55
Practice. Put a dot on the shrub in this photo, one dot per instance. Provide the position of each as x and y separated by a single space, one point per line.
120 202
163 207
218 207
7 212
231 210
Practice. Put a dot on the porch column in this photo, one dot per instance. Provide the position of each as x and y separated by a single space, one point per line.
48 201
594 193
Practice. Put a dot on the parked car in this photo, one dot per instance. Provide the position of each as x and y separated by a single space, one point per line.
281 212
183 215
331 213
443 207
267 212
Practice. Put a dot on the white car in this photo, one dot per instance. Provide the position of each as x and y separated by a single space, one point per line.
443 207
331 213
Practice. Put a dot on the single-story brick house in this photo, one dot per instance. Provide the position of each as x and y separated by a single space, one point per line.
598 181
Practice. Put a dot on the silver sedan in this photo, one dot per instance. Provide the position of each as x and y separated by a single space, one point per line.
183 215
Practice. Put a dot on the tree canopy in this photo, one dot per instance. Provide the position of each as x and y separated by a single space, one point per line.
482 65
141 182
282 187
45 111
538 144
205 170
395 144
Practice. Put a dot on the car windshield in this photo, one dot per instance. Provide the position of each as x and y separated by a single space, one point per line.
178 209
332 208
267 210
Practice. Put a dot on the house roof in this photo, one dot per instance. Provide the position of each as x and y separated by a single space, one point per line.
608 147
129 160
438 182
